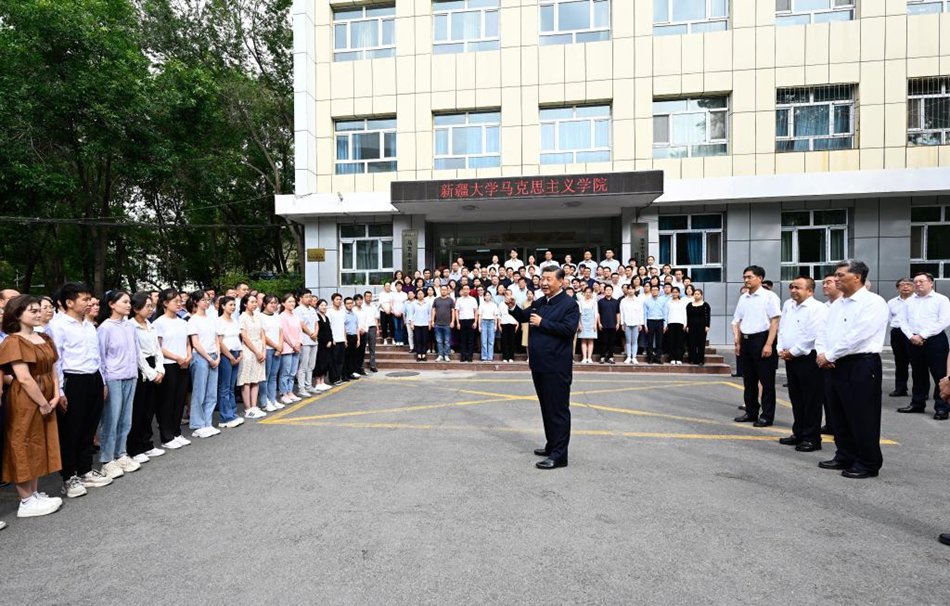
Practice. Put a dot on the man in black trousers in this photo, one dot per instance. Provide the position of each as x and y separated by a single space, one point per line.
924 323
554 319
755 327
899 344
802 318
849 349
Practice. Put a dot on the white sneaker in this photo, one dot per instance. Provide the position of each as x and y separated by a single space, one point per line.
172 445
141 458
237 422
303 394
634 360
254 413
182 440
2 524
73 488
36 506
112 469
155 452
201 432
269 407
355 375
312 391
95 479
213 431
127 464
322 387
277 404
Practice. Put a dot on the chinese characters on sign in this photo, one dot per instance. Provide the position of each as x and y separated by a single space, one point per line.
523 187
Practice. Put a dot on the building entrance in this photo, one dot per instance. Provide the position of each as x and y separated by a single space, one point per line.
479 241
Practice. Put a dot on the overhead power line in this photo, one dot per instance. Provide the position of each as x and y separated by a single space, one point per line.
113 223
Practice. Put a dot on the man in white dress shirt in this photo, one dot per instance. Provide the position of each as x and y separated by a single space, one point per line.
925 318
755 327
899 344
849 348
802 318
513 262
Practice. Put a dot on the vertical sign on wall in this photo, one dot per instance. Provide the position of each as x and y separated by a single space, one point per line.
409 242
639 242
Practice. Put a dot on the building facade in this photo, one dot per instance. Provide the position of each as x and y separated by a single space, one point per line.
712 134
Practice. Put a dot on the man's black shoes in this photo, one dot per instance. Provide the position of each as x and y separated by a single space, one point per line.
762 422
746 418
551 464
541 452
808 446
911 408
790 441
834 464
858 474
941 415
898 393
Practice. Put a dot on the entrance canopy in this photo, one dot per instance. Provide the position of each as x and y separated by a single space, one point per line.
526 198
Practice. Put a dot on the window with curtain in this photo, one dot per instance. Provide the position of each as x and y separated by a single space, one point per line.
368 32
815 118
928 111
684 128
813 241
469 140
465 25
365 146
366 254
800 12
575 135
692 243
687 16
930 240
915 7
573 21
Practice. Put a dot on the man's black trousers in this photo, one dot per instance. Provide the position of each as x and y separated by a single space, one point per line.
554 395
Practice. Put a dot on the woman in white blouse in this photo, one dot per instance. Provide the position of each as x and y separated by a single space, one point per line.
148 390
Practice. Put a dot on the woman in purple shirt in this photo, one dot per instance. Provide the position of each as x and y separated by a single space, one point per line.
119 355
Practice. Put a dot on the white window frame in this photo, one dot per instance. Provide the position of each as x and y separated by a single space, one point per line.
661 147
468 123
560 36
367 130
918 7
786 14
793 267
349 274
356 53
593 120
943 265
790 108
688 270
471 6
917 102
672 28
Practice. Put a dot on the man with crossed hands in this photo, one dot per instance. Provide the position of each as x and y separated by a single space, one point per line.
802 318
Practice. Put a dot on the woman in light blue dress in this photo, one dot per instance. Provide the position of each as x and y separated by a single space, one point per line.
588 325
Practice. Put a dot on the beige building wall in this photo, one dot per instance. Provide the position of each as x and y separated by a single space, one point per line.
878 51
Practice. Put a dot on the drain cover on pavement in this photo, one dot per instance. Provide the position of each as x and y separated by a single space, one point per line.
402 373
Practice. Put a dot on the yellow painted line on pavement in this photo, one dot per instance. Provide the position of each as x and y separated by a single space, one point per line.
639 388
274 417
402 409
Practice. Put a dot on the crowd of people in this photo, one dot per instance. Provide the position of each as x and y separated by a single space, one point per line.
630 308
86 377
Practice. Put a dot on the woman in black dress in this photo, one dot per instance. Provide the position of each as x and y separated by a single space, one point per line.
697 326
324 348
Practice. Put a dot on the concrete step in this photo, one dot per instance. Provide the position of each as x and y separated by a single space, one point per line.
402 355
382 347
478 366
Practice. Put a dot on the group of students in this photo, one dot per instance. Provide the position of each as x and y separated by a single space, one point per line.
85 377
639 307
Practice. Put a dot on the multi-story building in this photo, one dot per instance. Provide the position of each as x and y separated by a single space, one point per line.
709 133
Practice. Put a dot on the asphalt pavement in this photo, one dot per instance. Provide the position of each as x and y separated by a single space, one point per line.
422 489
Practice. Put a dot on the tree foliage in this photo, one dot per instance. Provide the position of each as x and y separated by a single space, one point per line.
137 134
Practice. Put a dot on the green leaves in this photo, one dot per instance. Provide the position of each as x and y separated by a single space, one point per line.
117 113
